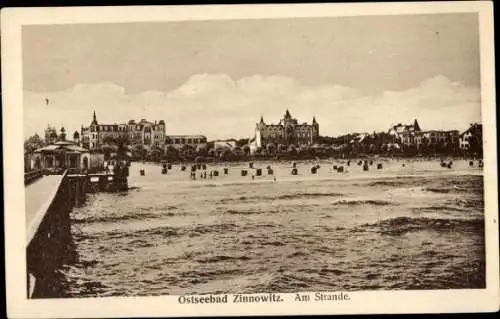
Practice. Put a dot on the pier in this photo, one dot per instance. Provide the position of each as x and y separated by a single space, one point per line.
49 201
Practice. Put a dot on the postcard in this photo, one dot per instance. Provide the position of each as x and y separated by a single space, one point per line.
250 160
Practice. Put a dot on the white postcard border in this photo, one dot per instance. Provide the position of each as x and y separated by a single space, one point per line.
362 302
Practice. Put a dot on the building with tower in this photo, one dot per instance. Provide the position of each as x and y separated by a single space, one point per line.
146 133
288 131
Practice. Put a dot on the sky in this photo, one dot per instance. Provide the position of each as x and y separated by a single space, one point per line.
354 74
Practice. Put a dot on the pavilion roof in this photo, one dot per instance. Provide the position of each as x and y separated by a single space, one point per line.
62 146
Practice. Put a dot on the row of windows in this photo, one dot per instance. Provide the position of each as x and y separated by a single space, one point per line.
112 128
186 141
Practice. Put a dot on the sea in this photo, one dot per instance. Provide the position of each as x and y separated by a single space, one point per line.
412 224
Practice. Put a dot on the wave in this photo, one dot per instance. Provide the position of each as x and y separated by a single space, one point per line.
402 225
219 258
279 197
437 208
362 202
112 219
246 212
125 217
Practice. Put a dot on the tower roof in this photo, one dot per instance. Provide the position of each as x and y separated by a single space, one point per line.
94 119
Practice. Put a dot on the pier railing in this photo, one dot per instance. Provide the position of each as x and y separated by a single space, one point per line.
31 176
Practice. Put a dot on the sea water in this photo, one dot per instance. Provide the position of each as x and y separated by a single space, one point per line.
410 225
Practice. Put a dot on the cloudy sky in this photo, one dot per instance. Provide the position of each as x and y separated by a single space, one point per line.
218 77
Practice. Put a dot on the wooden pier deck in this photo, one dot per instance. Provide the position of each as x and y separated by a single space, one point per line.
39 196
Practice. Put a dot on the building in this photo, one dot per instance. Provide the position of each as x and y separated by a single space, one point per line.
144 133
408 135
436 138
287 132
178 141
61 155
472 138
413 136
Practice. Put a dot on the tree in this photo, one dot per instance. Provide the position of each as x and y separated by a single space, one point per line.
226 155
202 151
155 154
139 152
271 148
188 153
172 153
246 150
32 143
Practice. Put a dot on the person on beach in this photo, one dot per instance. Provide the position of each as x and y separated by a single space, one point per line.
253 177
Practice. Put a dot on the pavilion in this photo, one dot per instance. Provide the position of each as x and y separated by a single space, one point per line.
61 155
